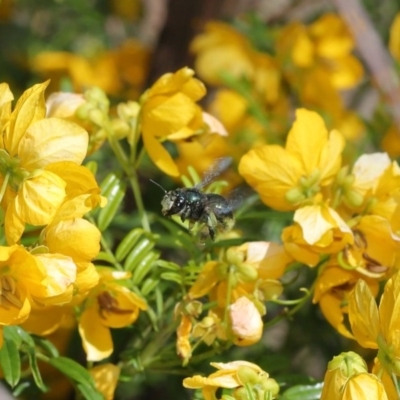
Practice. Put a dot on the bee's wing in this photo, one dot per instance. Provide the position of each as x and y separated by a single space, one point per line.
217 168
238 195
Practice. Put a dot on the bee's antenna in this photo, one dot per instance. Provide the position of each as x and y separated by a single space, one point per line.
151 180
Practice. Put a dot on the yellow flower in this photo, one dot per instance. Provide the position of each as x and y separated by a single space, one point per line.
220 48
326 44
318 229
250 264
347 378
287 177
26 278
106 379
108 305
169 112
377 328
332 289
235 375
99 71
209 329
30 144
183 346
394 41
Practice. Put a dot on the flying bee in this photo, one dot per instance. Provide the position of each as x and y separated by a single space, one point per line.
192 204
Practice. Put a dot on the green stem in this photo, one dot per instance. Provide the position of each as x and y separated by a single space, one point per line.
131 173
228 293
290 312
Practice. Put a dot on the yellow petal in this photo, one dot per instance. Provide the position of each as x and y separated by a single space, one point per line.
39 198
87 278
331 159
12 315
394 41
307 139
389 312
317 220
160 156
206 280
52 140
29 109
76 238
14 226
61 273
45 320
246 322
223 379
271 171
63 104
168 117
126 309
96 338
368 169
363 315
364 386
106 378
6 97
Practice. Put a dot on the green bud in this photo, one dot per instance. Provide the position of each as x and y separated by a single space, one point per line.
270 385
128 111
82 112
349 363
120 128
97 117
353 198
97 97
194 308
294 196
234 256
341 176
246 273
247 375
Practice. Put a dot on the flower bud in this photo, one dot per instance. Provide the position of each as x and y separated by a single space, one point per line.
246 322
246 273
294 196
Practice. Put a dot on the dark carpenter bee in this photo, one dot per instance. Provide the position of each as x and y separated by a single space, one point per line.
192 204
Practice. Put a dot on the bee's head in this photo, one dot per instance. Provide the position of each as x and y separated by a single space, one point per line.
173 202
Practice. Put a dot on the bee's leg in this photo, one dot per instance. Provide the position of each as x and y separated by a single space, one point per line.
212 223
191 225
228 223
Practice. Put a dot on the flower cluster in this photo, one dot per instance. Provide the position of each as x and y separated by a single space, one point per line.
45 187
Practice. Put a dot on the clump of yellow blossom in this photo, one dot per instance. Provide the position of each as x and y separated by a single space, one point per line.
238 376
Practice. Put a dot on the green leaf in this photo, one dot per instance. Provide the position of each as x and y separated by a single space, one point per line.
26 337
72 369
172 276
12 333
303 392
148 285
79 375
20 388
87 392
103 256
142 248
128 243
10 362
47 346
144 267
35 369
114 196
